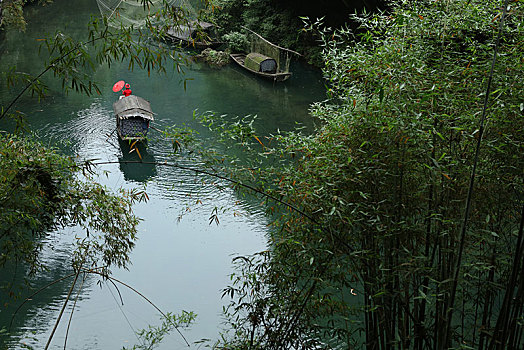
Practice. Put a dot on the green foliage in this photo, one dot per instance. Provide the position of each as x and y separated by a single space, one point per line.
11 13
384 181
264 307
236 41
151 337
280 21
40 192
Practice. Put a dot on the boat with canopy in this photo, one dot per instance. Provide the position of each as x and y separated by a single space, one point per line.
265 59
133 115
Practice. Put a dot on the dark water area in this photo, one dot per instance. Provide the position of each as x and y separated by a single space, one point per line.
181 262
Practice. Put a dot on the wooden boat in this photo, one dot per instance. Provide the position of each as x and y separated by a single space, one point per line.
195 34
133 115
265 59
240 59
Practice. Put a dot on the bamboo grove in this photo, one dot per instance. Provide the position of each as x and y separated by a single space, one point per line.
387 257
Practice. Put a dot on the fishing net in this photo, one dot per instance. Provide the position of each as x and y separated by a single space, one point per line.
135 12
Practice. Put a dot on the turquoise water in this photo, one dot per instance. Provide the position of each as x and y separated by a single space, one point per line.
180 261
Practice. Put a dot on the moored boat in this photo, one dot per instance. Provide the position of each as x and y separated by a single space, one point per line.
133 115
261 65
264 58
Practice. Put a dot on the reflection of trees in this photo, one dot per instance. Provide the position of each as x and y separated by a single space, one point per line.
24 311
278 106
47 313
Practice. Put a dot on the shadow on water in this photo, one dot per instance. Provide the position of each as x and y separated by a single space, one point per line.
235 92
136 162
25 307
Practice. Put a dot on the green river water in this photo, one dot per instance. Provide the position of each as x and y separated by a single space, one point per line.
179 264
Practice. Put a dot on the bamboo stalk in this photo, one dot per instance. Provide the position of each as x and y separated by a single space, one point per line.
501 332
457 268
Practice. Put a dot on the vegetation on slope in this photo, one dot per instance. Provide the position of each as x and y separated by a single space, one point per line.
380 250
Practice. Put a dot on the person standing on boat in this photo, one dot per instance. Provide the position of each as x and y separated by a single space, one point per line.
127 91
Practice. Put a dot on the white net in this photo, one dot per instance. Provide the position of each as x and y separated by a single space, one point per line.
135 12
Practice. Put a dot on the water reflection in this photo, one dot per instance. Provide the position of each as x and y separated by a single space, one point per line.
137 163
24 312
235 92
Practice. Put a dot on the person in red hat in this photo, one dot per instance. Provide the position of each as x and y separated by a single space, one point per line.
127 91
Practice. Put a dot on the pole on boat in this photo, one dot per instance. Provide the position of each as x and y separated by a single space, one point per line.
152 127
109 135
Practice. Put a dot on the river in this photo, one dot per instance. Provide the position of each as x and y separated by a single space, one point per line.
180 262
